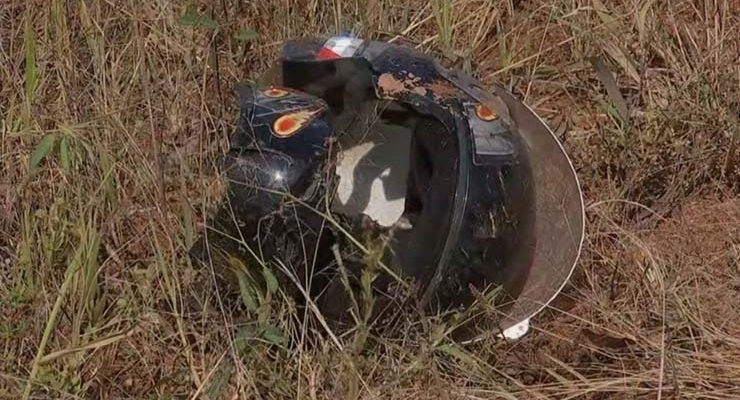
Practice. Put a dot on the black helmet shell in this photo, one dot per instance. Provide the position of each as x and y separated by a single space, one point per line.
488 197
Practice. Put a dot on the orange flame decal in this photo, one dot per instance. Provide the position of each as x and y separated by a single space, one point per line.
275 92
485 113
287 125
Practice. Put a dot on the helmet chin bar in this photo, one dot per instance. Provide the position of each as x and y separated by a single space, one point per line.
472 188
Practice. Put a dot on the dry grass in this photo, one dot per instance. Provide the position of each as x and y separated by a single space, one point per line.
112 114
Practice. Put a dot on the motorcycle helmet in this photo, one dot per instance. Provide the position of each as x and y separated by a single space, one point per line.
345 141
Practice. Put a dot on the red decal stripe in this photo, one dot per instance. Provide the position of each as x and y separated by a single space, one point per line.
327 54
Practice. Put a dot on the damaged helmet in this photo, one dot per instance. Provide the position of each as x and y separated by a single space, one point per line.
353 154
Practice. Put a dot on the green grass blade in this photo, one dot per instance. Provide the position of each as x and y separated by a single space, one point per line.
41 151
31 72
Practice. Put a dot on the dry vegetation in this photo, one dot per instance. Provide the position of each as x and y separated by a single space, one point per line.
113 112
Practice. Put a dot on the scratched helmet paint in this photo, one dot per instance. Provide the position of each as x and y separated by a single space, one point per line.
467 188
